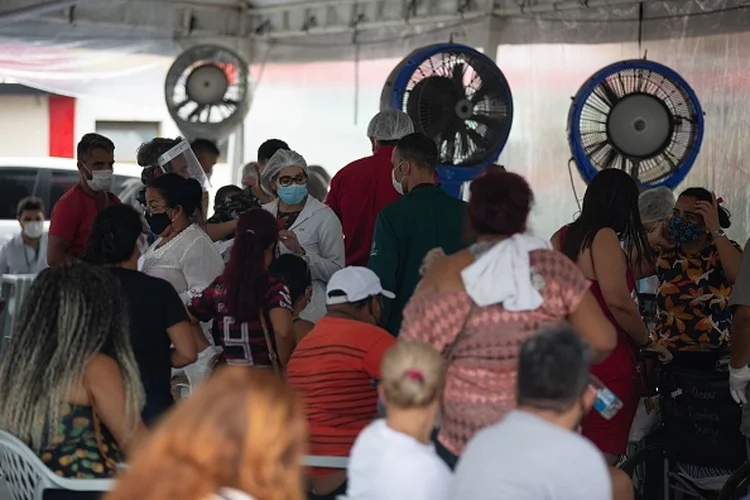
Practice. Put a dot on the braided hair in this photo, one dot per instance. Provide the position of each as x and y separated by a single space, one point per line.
71 313
114 235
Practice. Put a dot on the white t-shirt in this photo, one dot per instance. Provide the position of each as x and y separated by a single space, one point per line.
527 458
389 465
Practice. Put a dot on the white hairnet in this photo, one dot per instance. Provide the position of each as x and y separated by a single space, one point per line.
390 125
655 204
280 160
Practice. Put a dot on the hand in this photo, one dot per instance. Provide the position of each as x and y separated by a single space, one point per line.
658 236
289 239
739 378
664 355
432 256
709 210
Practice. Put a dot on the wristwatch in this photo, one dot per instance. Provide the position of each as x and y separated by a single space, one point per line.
718 233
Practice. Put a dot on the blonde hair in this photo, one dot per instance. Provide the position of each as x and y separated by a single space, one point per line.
72 313
243 429
412 374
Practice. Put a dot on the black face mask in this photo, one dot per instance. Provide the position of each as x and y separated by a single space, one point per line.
158 222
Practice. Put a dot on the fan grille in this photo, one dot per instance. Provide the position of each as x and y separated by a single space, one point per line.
595 129
461 99
207 110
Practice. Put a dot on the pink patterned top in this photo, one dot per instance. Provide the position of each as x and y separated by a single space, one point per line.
481 380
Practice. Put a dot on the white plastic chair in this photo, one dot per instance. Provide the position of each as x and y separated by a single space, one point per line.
27 477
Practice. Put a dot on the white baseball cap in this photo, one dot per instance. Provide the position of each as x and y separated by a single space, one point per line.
357 283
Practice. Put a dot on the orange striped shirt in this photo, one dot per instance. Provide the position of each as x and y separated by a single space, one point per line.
333 369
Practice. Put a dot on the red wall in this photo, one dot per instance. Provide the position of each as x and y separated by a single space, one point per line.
62 124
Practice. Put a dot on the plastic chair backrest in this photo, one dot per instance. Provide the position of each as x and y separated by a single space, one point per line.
27 477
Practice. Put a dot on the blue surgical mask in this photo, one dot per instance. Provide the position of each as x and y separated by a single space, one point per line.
292 195
682 231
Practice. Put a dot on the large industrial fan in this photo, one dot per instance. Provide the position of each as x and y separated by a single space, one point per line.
639 116
208 92
457 96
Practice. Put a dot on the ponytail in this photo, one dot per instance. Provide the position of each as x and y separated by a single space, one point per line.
245 275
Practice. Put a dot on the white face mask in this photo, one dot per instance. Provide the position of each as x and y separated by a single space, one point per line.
101 180
398 186
33 229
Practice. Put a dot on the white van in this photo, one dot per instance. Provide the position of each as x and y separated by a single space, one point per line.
49 179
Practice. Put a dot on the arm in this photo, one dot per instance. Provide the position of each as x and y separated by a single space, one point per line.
63 227
178 327
332 200
4 268
731 258
283 329
201 264
607 255
221 230
104 382
331 244
594 327
384 259
279 305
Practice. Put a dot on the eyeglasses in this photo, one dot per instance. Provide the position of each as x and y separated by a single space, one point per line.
286 180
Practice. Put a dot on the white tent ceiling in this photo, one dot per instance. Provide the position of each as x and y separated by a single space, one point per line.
195 21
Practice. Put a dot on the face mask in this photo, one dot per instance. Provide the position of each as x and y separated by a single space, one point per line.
33 229
158 222
101 180
398 186
292 195
682 231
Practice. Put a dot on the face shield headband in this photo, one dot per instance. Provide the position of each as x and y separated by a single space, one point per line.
181 160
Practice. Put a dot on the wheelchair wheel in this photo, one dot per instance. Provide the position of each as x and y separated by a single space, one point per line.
646 468
737 486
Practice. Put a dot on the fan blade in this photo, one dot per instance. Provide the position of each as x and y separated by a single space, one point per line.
476 137
458 74
178 106
195 114
489 121
635 169
606 93
480 94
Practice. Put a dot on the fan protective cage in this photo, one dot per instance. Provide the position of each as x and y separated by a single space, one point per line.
609 120
207 91
457 96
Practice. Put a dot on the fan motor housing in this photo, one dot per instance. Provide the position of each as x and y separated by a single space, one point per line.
457 96
640 116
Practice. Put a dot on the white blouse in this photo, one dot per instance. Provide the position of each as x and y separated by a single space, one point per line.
189 261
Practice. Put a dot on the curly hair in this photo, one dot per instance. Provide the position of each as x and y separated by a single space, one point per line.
243 429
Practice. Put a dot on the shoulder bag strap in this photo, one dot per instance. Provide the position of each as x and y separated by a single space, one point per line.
269 345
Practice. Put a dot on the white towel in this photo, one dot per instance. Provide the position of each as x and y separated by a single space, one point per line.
502 274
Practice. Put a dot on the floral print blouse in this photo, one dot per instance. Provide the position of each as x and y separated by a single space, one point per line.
693 300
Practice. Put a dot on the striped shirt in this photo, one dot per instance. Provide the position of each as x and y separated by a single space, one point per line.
333 369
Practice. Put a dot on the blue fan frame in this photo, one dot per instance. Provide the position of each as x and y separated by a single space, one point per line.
585 167
451 176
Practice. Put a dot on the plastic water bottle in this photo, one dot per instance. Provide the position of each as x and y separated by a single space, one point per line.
606 402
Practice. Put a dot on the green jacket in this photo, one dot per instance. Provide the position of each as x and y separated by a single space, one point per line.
425 218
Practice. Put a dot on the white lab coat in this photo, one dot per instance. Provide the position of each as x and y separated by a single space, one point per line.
17 258
319 233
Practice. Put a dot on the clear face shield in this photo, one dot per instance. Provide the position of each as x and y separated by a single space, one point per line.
181 160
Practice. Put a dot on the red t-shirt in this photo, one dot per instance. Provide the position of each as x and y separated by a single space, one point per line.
74 214
358 193
333 369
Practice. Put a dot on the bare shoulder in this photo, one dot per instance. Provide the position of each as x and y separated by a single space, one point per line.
607 237
101 368
445 274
